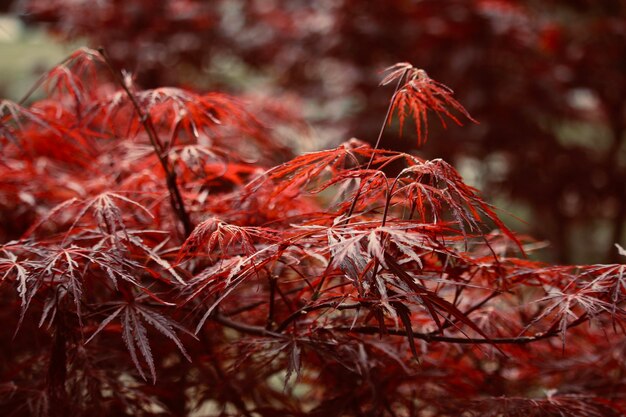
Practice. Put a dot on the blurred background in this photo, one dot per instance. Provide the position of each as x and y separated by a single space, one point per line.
546 79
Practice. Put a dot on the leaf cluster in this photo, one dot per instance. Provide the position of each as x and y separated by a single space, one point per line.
348 281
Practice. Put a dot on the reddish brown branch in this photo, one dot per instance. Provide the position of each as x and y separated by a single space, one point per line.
373 330
176 199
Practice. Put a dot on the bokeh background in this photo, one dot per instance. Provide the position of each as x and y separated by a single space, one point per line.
546 79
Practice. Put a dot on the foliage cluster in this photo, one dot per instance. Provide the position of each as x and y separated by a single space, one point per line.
546 79
162 254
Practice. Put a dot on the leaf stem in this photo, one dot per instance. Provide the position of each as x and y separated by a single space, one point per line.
377 144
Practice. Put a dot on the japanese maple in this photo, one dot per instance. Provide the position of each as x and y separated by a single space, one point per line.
164 254
546 79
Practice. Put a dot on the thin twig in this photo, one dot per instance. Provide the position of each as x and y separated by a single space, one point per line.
429 337
377 144
245 328
176 199
373 330
305 310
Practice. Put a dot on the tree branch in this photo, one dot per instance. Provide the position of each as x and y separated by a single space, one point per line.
373 330
176 199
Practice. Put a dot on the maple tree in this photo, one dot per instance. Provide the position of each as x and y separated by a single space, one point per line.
545 79
162 253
